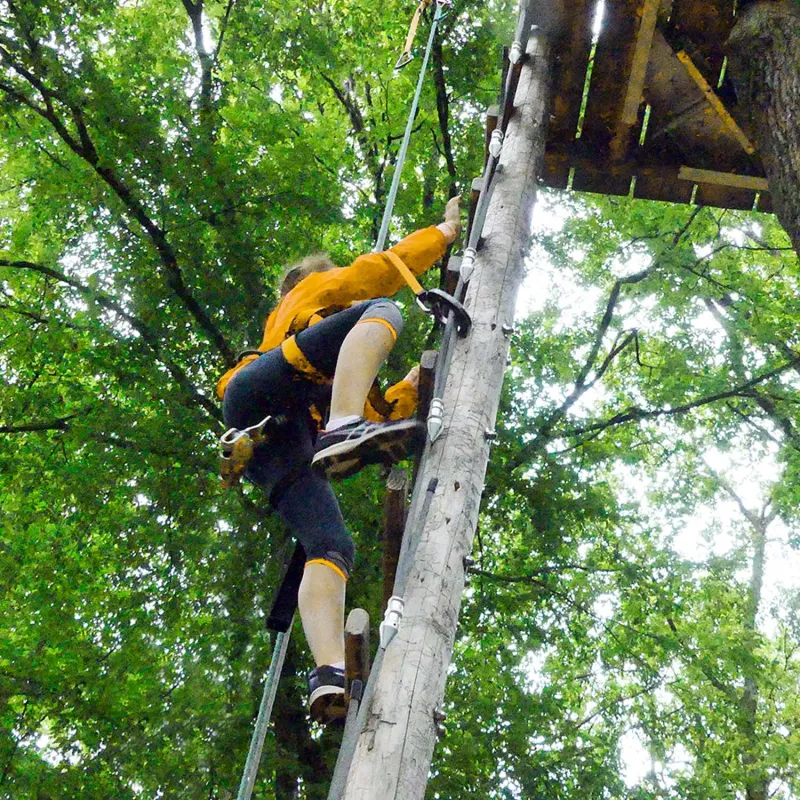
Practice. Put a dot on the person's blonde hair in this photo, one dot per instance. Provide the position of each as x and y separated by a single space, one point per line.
294 273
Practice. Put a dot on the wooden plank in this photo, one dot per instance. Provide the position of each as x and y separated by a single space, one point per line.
641 55
613 60
395 506
570 74
673 184
602 178
356 648
723 179
450 277
427 373
716 104
662 185
682 120
555 170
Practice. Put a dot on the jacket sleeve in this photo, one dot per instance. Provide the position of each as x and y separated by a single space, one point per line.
373 275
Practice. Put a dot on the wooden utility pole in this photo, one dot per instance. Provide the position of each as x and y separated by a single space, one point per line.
393 754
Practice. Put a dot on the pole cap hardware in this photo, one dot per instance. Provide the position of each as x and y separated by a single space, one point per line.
438 719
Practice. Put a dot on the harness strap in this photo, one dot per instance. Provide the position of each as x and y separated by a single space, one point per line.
407 274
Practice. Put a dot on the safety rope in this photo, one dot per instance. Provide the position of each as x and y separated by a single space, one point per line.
401 155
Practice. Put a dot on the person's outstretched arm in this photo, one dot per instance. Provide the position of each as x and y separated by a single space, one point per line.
374 275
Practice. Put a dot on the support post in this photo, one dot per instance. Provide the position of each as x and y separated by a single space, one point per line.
395 505
399 720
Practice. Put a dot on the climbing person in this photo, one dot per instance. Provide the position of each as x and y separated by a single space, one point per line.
326 339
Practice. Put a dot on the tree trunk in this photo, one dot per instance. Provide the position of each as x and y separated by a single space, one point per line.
395 747
764 51
756 778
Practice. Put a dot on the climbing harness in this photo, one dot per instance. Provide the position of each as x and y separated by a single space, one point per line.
236 447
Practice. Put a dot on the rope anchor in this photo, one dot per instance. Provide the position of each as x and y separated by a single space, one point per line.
406 57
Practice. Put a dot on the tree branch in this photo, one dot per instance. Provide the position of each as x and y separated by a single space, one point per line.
85 149
106 301
59 424
443 113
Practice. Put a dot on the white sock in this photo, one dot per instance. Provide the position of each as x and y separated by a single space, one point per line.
338 422
338 665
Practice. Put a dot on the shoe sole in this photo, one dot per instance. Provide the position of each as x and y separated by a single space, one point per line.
380 446
328 704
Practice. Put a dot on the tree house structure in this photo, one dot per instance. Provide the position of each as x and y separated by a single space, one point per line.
642 105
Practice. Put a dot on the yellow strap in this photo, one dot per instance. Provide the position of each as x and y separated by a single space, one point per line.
408 275
405 57
295 356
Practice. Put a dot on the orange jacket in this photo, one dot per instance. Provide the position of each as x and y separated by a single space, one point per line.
368 277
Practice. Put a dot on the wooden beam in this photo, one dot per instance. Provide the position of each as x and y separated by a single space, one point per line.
723 179
397 722
356 648
427 372
641 55
716 103
450 278
395 507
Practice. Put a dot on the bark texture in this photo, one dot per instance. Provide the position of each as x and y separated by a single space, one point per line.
764 52
396 743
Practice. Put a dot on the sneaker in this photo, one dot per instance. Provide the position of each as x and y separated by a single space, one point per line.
326 694
346 450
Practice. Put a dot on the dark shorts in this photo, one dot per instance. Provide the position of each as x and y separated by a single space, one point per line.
270 385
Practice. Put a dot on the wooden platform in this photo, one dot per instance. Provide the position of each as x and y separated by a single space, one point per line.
643 107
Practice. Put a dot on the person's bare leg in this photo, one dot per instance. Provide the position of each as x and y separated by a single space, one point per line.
363 351
321 605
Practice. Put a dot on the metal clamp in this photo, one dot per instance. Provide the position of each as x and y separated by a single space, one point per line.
440 305
468 263
435 418
236 447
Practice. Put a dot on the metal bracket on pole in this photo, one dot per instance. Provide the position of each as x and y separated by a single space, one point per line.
391 620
